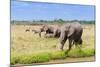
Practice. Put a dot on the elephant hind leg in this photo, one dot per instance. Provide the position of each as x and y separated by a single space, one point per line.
70 43
78 42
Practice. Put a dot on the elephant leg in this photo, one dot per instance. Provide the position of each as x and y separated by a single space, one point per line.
76 44
39 34
46 34
63 39
80 42
62 44
54 34
40 31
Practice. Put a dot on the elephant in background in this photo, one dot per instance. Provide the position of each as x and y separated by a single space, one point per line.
27 30
72 32
53 30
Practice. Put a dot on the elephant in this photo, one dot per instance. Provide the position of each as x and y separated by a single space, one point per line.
50 29
72 32
27 30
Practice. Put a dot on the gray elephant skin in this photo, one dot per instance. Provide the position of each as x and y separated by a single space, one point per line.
72 32
54 30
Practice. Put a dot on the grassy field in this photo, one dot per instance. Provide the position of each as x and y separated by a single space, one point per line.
28 48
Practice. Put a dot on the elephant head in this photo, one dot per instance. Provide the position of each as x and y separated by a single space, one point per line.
44 28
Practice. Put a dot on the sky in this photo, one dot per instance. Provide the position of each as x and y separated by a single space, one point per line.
50 11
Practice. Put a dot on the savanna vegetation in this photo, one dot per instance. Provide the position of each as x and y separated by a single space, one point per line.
29 48
55 21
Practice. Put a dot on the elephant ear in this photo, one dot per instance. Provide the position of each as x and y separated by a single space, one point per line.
71 31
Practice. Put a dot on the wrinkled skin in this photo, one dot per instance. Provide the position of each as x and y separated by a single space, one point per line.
54 31
72 32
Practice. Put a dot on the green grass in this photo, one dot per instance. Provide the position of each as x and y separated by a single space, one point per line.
58 55
81 52
28 48
44 57
27 59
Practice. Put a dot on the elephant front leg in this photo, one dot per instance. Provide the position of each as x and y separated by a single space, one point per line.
40 31
46 34
54 33
39 34
62 45
63 39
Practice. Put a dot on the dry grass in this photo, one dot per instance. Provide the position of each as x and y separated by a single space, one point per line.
24 43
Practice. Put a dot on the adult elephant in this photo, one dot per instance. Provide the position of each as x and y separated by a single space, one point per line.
54 30
72 32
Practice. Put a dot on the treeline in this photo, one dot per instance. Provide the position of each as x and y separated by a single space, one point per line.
55 21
